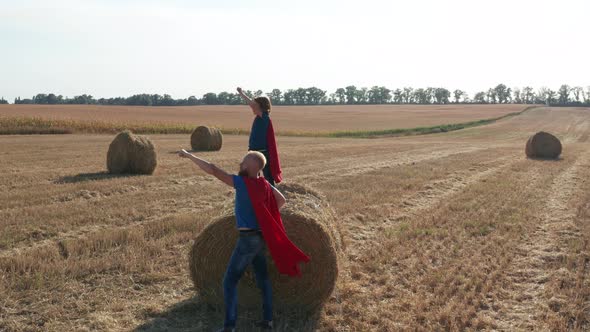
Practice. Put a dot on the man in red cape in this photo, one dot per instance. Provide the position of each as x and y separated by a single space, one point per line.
262 137
260 226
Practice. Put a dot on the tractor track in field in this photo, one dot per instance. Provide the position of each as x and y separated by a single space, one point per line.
364 234
314 167
95 194
351 166
531 269
85 231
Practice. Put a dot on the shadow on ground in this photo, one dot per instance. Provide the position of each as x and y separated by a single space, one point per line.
546 159
195 315
82 177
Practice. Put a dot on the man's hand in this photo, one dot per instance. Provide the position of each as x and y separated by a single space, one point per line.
183 153
244 96
208 167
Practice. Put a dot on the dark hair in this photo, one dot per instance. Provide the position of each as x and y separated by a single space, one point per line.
264 103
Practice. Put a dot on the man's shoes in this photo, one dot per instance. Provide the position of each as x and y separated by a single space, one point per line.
264 325
227 329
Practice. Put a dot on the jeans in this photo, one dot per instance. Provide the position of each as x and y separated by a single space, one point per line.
249 250
268 175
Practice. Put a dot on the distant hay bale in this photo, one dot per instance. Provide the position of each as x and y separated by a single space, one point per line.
206 139
130 153
543 145
310 223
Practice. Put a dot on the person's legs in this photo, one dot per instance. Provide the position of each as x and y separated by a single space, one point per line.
243 254
263 282
268 175
266 170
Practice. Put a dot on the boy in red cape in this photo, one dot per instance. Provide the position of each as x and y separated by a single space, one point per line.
262 137
260 226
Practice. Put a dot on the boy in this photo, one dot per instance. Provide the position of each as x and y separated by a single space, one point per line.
262 137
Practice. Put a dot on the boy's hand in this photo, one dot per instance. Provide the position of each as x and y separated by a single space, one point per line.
183 153
239 90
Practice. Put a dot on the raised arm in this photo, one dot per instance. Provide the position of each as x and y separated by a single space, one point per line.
245 97
208 167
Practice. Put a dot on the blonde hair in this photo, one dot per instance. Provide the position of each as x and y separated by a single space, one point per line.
260 158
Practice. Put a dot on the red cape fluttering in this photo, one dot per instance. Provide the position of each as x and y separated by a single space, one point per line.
273 153
284 253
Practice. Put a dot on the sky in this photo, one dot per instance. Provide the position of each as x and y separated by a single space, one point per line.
115 48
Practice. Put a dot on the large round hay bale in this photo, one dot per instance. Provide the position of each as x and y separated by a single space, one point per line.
310 223
206 139
543 145
132 154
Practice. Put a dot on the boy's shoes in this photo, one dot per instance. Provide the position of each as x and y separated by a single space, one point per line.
264 325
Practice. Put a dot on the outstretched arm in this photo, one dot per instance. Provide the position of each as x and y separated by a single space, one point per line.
208 167
245 97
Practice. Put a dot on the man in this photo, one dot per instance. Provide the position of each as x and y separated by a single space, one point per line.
259 223
262 136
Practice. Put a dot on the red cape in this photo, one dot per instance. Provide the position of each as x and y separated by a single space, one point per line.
273 153
284 253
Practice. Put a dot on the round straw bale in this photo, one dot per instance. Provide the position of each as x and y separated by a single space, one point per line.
309 222
543 145
217 139
206 139
130 153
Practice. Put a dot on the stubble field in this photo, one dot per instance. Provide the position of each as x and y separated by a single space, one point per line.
288 119
450 231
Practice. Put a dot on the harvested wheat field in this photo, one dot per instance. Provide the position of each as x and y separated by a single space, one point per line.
291 119
451 231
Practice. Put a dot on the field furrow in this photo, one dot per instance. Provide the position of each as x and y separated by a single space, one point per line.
432 269
534 260
435 192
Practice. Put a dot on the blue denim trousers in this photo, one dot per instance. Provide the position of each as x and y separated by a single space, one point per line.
266 170
248 250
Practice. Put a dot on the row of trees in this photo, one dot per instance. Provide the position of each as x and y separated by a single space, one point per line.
3 101
500 94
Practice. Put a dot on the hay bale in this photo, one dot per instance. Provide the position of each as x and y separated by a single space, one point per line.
543 145
310 223
206 139
130 153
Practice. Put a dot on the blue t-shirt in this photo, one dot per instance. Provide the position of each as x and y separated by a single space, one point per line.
245 216
258 132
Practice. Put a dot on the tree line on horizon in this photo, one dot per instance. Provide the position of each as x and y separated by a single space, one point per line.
350 95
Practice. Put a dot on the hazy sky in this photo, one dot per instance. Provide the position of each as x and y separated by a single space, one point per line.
120 47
